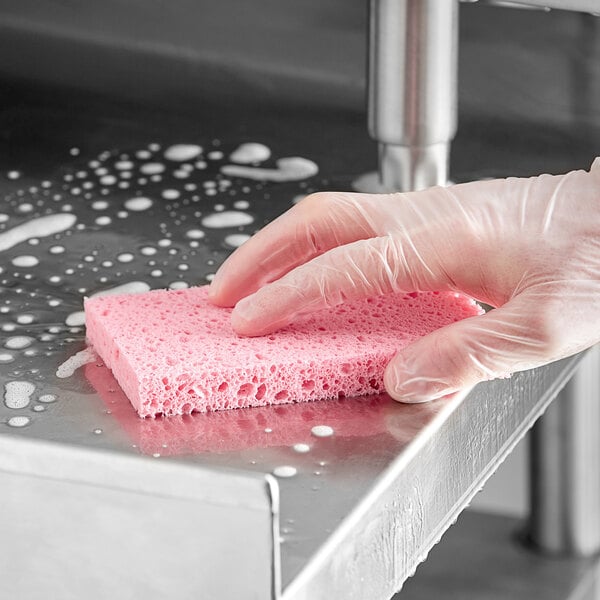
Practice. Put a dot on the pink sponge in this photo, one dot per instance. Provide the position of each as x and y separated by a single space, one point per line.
173 352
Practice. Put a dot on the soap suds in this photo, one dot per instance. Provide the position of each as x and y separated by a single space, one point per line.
249 153
228 218
17 394
40 227
83 357
294 168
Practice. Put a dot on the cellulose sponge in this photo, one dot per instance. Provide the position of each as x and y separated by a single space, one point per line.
173 352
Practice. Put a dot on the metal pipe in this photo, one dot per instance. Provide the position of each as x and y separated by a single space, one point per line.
565 467
413 64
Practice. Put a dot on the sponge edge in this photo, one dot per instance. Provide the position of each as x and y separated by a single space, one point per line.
173 352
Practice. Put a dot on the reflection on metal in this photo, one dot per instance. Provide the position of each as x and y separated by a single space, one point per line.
479 558
412 89
408 507
565 467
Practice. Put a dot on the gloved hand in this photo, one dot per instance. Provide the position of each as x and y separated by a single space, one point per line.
530 247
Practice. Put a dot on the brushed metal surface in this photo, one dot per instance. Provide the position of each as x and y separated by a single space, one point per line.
366 503
79 523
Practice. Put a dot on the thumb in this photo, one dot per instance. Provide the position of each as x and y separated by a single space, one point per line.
508 339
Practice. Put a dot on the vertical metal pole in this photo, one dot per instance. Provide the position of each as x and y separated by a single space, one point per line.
565 467
413 64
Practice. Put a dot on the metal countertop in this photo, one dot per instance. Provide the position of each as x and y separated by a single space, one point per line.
366 503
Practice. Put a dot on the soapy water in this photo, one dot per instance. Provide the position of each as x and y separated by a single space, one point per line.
120 222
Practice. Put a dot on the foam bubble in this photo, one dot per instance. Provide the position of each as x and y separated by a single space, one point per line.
18 421
251 152
228 218
182 152
235 240
125 257
148 250
3 217
322 431
13 174
83 357
100 205
103 220
18 342
170 194
25 319
108 180
17 394
293 168
124 165
178 285
40 227
301 448
47 398
138 203
195 234
5 357
25 260
285 471
152 168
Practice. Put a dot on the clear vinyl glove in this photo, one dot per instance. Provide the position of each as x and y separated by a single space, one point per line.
528 247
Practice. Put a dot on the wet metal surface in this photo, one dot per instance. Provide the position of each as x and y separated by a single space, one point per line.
356 506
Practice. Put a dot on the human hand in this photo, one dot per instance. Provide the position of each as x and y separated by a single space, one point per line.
529 247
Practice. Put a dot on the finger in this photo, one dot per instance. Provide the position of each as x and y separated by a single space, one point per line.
512 338
362 269
316 224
